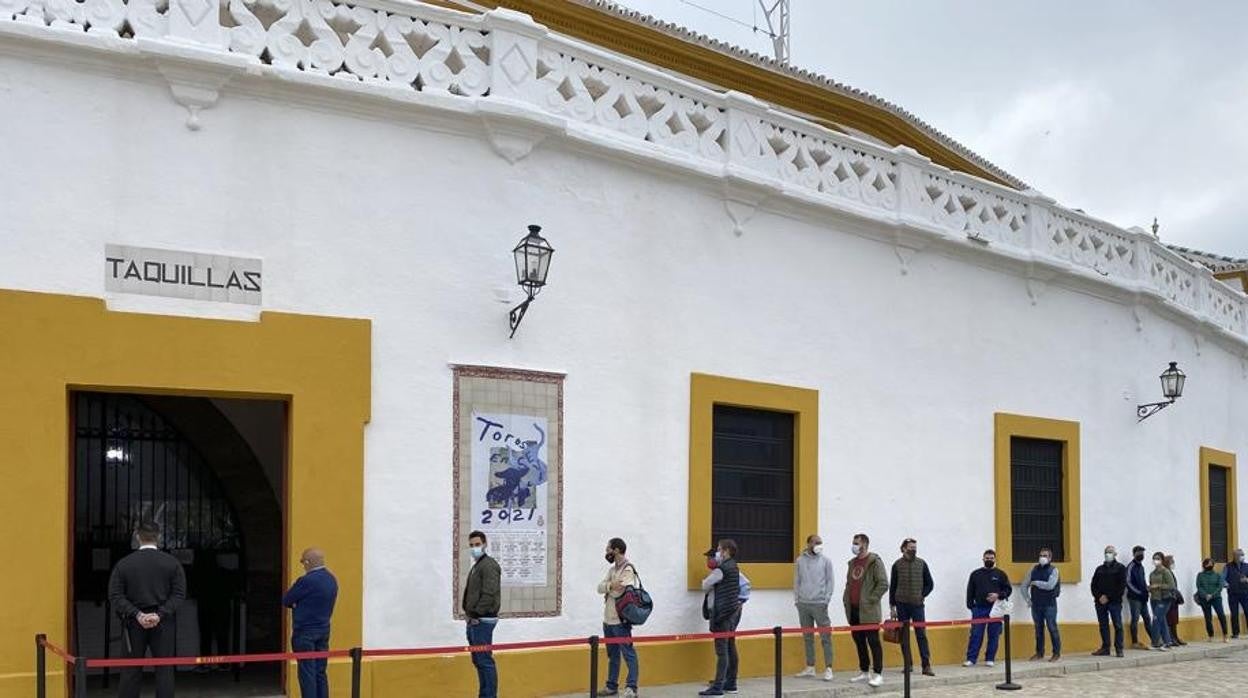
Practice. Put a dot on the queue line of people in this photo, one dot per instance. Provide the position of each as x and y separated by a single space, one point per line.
147 585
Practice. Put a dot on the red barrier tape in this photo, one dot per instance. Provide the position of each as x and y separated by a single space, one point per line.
224 659
500 647
69 658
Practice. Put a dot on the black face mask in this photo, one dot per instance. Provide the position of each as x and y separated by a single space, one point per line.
989 564
1208 568
610 557
1139 558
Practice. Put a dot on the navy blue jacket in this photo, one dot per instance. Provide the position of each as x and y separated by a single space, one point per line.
312 596
1047 577
1137 582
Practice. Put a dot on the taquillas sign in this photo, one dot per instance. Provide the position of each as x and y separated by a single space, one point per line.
177 274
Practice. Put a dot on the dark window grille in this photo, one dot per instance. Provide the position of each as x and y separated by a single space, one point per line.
752 482
1036 498
1218 510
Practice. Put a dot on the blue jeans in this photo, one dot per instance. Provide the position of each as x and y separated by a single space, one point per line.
1161 631
482 633
1105 612
1042 617
313 683
613 656
977 636
1139 609
726 652
911 612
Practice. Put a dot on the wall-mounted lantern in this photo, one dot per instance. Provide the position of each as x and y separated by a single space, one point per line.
532 264
1172 380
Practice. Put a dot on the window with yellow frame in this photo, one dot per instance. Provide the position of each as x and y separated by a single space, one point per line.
1219 520
707 392
1014 432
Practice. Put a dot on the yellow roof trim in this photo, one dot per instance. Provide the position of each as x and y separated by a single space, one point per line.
649 44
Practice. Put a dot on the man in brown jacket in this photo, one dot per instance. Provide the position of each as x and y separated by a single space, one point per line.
866 583
482 599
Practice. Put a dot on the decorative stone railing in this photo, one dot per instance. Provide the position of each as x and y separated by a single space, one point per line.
521 71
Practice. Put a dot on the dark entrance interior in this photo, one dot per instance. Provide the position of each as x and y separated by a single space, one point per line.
210 472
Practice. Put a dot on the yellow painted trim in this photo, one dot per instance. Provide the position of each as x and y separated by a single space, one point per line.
666 51
1239 275
705 392
52 344
1211 457
1009 425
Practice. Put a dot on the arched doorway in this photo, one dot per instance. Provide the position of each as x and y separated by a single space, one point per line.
210 473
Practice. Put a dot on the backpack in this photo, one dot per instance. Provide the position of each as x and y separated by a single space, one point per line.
634 605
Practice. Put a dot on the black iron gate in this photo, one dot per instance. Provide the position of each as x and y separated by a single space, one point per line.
131 465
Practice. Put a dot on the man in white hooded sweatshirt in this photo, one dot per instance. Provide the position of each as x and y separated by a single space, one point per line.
813 583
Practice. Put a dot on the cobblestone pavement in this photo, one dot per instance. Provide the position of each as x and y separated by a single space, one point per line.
1202 677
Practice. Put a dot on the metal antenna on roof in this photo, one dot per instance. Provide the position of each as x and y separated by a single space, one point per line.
777 16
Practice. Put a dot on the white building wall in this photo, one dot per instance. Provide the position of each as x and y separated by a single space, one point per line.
406 216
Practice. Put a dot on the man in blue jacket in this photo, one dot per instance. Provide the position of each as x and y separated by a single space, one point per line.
1137 598
312 597
1235 576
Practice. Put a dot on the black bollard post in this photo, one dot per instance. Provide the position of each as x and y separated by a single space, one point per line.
1009 684
907 661
357 659
593 665
779 668
41 667
80 678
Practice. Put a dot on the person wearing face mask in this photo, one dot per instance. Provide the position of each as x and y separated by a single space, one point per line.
1109 583
1040 589
725 614
1209 597
986 586
620 574
813 581
865 586
909 585
1172 615
1235 576
1161 588
482 599
1137 598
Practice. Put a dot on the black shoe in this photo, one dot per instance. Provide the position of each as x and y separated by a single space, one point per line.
608 692
1117 653
1102 652
712 691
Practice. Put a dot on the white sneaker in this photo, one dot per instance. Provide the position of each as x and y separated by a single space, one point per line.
827 674
860 678
990 664
808 671
876 680
968 663
628 693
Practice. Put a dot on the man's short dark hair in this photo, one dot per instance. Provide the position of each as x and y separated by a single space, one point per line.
908 541
478 534
618 544
148 532
1048 550
1137 549
862 538
730 545
990 551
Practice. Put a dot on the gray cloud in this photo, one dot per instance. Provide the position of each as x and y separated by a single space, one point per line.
1127 109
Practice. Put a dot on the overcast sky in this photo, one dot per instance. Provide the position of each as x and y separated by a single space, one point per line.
1128 109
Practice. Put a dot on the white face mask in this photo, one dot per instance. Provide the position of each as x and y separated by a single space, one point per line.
476 551
719 557
1110 557
1156 563
855 548
1044 560
816 548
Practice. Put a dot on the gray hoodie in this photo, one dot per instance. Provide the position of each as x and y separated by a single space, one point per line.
813 579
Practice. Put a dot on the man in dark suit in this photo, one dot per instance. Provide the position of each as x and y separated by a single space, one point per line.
145 590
